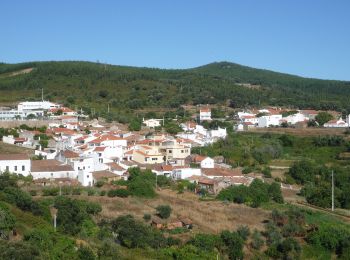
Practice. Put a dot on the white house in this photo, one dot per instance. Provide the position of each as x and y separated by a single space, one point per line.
15 163
336 123
85 178
270 120
218 133
205 114
184 173
207 163
152 123
250 119
295 118
51 169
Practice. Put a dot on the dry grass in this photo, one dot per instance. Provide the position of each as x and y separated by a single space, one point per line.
207 216
9 148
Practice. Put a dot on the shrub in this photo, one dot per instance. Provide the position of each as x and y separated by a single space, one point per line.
267 172
33 192
163 211
90 192
50 191
257 241
234 244
243 232
205 242
147 217
102 193
76 191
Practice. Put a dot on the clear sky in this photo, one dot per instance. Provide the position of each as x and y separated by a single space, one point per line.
304 37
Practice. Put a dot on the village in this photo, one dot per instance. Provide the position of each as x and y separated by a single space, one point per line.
75 151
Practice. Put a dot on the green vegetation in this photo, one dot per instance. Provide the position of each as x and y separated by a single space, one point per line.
163 211
253 195
126 89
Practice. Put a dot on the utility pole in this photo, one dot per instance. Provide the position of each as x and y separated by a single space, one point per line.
332 190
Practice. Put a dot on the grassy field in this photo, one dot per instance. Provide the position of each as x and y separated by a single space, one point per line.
207 216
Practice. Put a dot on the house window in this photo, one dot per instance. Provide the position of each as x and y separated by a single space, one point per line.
67 174
170 151
154 159
51 174
15 168
88 176
7 168
182 151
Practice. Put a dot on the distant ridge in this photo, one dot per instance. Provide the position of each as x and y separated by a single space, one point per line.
129 88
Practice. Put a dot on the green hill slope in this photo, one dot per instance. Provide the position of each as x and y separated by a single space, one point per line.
86 84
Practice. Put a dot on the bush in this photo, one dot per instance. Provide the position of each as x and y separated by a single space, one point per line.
234 244
123 193
267 172
163 211
147 217
50 191
76 191
243 232
91 192
205 242
33 192
257 241
134 234
102 193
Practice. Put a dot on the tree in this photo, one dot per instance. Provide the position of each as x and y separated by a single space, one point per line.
233 243
323 117
135 125
7 221
275 192
163 211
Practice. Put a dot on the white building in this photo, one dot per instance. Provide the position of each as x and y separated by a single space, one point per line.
184 173
207 163
218 133
271 120
152 123
51 169
295 118
15 163
250 119
336 123
205 114
36 105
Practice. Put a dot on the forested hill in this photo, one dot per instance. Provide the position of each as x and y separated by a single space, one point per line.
128 88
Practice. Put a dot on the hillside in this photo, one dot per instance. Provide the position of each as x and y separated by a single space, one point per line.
126 89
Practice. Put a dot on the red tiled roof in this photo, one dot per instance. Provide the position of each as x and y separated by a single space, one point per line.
12 157
49 166
103 138
99 149
70 154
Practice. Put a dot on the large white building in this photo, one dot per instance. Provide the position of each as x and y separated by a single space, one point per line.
24 109
15 163
205 114
36 105
271 120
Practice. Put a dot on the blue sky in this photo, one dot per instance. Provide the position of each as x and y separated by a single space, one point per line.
305 37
